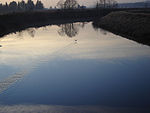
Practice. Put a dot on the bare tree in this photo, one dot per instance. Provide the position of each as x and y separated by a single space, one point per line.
60 4
102 3
106 4
70 4
39 5
31 32
30 5
70 30
67 4
13 6
21 6
115 4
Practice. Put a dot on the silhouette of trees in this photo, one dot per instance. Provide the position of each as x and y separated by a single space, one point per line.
31 32
39 5
71 29
97 29
60 4
13 6
5 7
70 4
21 6
67 4
106 4
30 5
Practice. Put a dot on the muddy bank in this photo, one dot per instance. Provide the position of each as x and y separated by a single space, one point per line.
134 26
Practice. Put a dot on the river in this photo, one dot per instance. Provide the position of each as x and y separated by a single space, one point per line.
73 68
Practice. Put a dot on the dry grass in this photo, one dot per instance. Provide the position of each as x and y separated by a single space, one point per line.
135 26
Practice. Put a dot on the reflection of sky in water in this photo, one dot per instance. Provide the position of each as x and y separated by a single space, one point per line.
100 68
90 45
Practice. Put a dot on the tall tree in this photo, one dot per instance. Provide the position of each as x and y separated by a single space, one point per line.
30 5
106 4
39 5
13 6
5 7
60 4
67 4
22 5
70 4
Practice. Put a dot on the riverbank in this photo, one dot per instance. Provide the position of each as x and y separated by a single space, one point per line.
134 26
17 21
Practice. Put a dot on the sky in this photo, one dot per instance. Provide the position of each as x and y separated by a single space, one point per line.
48 3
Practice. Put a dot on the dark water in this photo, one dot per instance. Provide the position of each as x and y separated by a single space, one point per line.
73 65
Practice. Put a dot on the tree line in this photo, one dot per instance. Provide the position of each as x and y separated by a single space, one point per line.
21 6
67 4
73 4
106 4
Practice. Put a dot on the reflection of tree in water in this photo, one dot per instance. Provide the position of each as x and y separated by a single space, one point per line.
31 32
104 32
96 28
20 34
71 29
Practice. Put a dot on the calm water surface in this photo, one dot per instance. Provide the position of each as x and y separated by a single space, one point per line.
73 65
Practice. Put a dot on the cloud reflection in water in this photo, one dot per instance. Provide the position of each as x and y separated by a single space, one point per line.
67 109
28 53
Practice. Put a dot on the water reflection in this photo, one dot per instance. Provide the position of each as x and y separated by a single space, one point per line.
5 84
93 68
88 44
99 29
30 31
67 109
71 29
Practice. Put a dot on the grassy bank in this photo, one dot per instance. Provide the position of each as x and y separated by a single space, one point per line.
134 26
17 21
